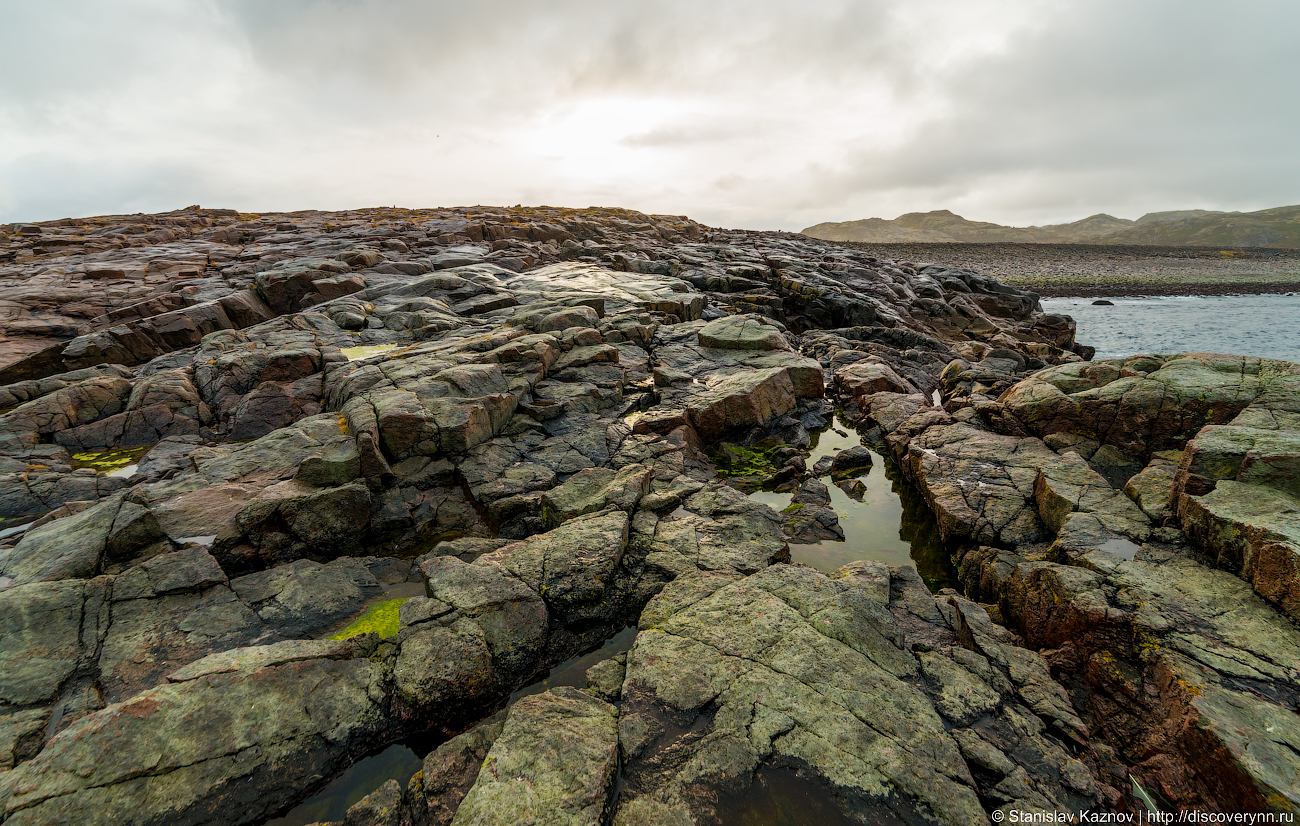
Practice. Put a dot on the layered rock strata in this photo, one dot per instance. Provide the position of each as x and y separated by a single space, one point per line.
1130 519
510 413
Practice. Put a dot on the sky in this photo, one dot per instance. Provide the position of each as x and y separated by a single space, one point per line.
760 114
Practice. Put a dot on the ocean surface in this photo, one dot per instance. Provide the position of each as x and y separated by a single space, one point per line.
1255 325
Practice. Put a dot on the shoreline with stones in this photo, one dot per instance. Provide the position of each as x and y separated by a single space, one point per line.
1109 271
388 467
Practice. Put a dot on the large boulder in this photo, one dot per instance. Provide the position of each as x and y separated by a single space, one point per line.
230 739
555 761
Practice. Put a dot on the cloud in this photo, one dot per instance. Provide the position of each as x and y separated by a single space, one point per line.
762 114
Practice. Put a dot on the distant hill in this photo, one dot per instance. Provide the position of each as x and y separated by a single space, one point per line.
1278 227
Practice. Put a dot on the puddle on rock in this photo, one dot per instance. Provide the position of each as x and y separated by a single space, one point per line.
365 351
891 524
1120 547
573 671
784 796
111 462
397 762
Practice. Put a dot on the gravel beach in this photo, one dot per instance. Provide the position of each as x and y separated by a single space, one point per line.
1097 270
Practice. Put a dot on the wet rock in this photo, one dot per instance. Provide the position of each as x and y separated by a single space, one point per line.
852 488
824 656
72 547
980 484
1068 485
573 567
179 748
161 405
717 529
812 492
741 401
189 569
1184 661
594 489
167 613
743 333
865 377
42 631
293 519
1152 488
605 678
1189 658
851 460
382 807
555 759
449 772
21 735
811 523
70 406
501 621
1254 530
409 377
303 599
1140 414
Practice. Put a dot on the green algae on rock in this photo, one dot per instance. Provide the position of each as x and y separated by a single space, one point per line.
107 461
365 351
381 618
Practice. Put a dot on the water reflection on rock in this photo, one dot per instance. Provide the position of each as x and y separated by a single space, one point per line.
887 520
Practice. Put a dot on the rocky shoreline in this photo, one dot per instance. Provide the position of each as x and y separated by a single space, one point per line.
1102 270
280 490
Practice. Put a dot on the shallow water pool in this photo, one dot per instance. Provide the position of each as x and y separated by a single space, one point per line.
397 762
891 524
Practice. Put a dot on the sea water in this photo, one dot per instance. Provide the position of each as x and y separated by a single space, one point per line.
1255 325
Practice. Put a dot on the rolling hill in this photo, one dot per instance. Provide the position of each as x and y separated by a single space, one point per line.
1278 227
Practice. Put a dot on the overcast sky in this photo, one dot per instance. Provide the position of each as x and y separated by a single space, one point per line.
758 114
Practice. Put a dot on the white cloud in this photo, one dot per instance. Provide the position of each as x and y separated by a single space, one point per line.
760 114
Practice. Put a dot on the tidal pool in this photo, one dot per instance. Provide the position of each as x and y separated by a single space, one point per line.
891 524
785 796
396 762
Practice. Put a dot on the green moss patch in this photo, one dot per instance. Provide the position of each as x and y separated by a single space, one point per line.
365 351
735 460
380 618
107 461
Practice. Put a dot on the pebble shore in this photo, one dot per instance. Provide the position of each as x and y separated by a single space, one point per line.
1070 270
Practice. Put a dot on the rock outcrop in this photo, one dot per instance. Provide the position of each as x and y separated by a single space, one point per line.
281 490
1130 519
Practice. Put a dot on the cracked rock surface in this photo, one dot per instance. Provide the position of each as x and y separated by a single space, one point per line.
473 444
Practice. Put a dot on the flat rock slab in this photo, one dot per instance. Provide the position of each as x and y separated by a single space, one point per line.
790 667
554 763
742 333
186 749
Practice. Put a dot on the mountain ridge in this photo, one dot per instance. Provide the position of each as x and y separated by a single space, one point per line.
1278 227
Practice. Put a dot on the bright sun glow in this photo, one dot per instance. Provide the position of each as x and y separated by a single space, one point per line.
589 139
